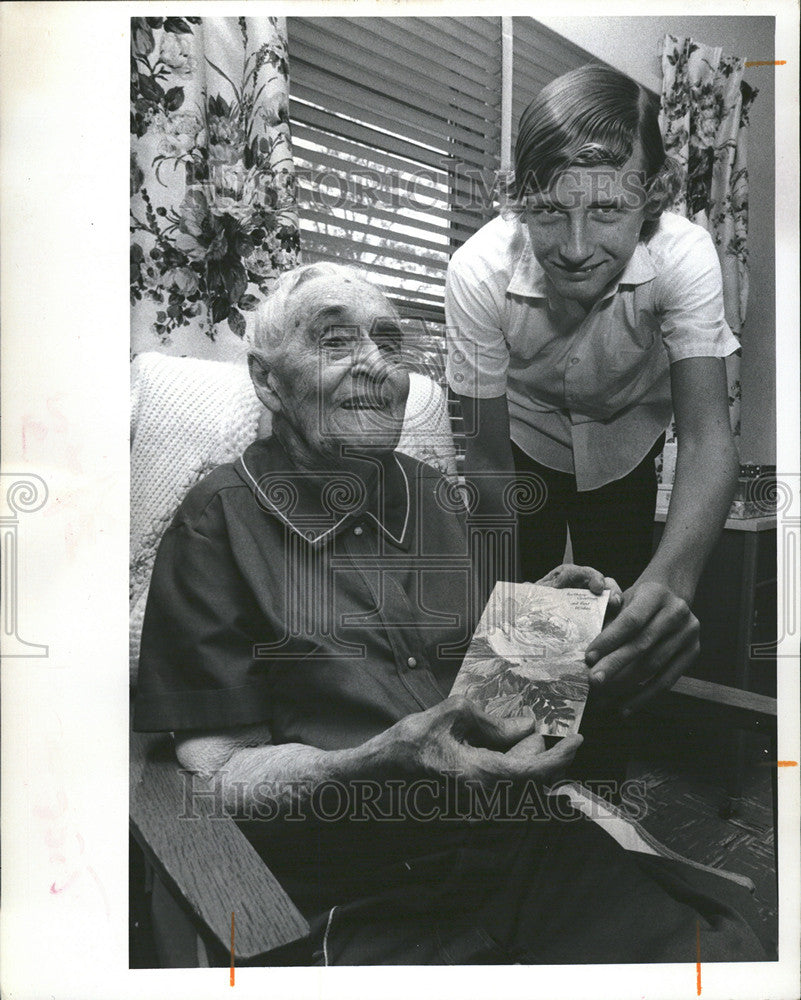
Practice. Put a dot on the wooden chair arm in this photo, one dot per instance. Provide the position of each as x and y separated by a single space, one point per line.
206 862
718 704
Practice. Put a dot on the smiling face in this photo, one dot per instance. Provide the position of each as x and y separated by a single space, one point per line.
585 228
336 380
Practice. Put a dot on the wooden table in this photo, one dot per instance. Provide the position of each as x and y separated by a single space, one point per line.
736 606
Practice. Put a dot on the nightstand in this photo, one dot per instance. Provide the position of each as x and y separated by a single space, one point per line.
735 603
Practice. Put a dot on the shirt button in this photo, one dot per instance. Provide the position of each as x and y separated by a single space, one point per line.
574 361
411 663
358 530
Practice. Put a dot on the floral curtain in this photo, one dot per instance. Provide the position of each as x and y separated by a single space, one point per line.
213 193
704 119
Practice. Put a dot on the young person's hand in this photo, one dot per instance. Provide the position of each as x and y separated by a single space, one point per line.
647 647
570 575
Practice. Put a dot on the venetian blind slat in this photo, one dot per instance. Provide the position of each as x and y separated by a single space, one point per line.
396 126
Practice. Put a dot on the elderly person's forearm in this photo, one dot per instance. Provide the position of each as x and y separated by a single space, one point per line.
452 738
282 778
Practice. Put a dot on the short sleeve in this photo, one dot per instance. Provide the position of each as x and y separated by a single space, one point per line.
197 668
478 355
690 300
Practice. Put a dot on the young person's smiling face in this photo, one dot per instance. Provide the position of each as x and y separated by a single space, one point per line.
585 228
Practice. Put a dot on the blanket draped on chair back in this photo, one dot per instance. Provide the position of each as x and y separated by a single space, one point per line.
187 416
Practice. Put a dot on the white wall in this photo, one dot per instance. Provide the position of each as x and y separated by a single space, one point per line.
631 45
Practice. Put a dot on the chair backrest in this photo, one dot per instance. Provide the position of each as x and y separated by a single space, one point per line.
190 415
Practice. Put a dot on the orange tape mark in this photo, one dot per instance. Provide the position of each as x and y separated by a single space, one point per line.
232 949
787 763
768 62
698 957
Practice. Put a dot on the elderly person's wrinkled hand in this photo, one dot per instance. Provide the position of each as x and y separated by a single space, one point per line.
456 737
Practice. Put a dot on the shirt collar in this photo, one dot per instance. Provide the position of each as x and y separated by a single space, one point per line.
529 279
317 506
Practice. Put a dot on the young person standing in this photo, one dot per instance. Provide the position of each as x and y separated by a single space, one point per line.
579 320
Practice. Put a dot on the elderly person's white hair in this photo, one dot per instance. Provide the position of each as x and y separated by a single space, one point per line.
272 321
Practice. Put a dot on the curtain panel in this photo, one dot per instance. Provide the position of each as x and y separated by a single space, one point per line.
704 118
213 193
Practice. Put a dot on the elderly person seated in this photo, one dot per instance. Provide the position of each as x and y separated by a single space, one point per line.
309 607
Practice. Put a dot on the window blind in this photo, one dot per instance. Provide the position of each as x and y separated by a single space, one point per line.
396 138
396 126
539 56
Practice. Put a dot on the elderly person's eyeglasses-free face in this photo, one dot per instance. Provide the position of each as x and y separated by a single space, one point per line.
339 382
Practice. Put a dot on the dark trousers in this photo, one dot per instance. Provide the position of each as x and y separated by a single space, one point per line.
611 528
554 892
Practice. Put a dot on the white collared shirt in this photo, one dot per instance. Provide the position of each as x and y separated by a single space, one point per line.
589 399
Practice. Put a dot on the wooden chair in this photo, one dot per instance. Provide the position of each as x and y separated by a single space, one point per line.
206 864
187 417
207 886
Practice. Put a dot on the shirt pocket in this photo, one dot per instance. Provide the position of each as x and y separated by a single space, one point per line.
528 331
613 381
640 334
631 355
